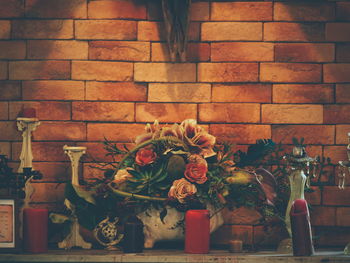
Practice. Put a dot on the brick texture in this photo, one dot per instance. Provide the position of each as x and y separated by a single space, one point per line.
116 91
304 52
302 93
338 32
114 131
11 8
322 216
336 72
313 134
57 49
4 112
103 111
96 70
54 171
186 92
336 153
343 216
117 9
242 51
12 49
337 113
165 112
293 32
229 112
199 11
3 70
333 196
31 70
343 10
343 52
5 29
292 113
10 90
342 134
195 52
56 8
288 72
105 29
9 131
61 131
241 93
227 72
119 50
53 90
42 29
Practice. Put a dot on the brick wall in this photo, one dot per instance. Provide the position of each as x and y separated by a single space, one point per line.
256 69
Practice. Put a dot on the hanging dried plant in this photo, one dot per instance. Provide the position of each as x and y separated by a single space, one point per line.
176 19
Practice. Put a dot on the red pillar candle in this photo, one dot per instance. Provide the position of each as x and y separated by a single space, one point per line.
301 229
197 231
35 230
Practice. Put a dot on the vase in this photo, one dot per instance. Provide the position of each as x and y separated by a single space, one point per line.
171 227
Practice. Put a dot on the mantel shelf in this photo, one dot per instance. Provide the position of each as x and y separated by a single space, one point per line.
171 256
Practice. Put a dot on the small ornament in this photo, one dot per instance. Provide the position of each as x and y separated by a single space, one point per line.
106 233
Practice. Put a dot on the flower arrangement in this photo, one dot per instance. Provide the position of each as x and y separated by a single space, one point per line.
181 166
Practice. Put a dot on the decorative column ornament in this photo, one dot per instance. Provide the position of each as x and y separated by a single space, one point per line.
177 19
74 239
27 126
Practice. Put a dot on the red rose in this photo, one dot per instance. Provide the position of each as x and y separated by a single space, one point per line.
145 156
196 172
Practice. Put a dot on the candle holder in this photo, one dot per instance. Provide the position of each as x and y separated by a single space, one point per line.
26 126
74 239
298 165
343 172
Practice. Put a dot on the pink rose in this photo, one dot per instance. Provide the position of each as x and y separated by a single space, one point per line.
196 172
181 189
145 156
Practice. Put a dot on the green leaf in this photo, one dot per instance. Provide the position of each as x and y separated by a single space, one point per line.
58 218
163 214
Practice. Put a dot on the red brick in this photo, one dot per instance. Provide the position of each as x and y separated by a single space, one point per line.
103 111
229 112
43 151
290 72
42 29
313 134
336 153
60 131
331 236
165 112
304 52
5 148
274 113
240 133
54 171
119 50
242 51
303 93
12 49
322 216
105 29
178 92
9 131
117 9
56 8
53 90
300 11
343 216
194 31
338 32
343 52
343 10
241 11
165 72
45 110
337 113
91 173
48 192
10 90
5 29
122 132
150 31
199 11
241 93
97 70
31 70
57 49
332 195
336 72
230 232
342 134
241 216
227 72
286 31
313 198
3 70
116 91
4 112
11 8
226 31
194 52
154 12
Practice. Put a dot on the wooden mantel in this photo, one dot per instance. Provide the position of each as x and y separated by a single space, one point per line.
171 256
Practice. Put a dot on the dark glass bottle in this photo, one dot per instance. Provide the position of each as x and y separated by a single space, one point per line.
133 235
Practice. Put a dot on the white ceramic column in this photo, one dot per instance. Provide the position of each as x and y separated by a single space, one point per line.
74 153
26 126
